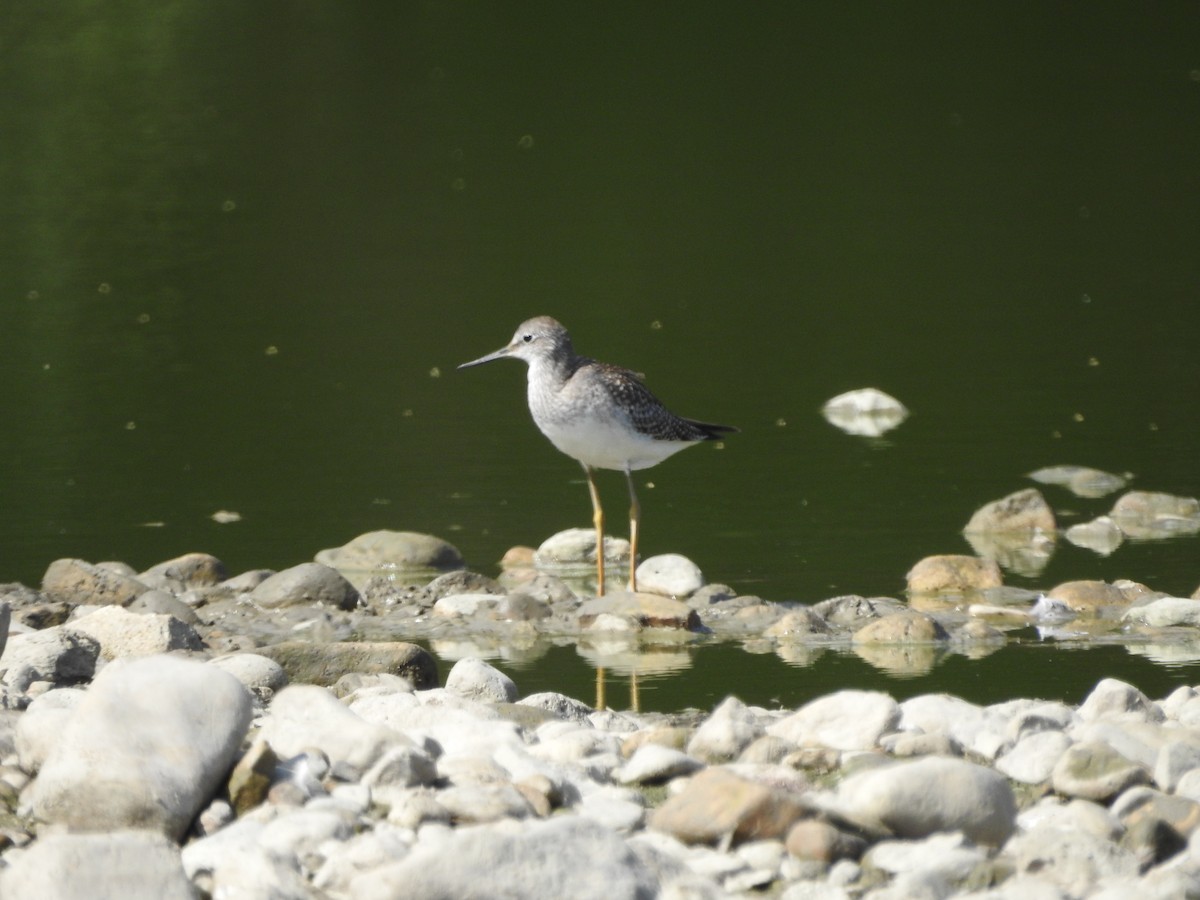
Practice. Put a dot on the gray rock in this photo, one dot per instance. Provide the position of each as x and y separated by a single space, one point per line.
121 633
852 610
476 679
307 662
567 856
59 655
404 551
916 799
261 675
130 864
843 720
147 746
669 574
1025 510
306 584
798 624
161 603
305 716
78 582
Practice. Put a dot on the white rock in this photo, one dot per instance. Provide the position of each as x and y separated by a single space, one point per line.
131 864
465 605
1033 758
262 676
843 720
1111 697
381 845
948 856
1072 860
1165 612
305 716
298 834
617 809
41 725
726 733
574 552
1100 535
476 679
669 574
1175 760
401 766
543 859
916 799
121 633
654 763
147 746
55 654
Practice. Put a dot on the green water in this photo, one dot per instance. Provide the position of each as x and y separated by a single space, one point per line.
243 246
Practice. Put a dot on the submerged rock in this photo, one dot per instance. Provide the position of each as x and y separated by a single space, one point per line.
1101 535
867 412
1148 514
1081 480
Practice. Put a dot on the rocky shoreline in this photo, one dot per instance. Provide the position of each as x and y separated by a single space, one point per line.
179 732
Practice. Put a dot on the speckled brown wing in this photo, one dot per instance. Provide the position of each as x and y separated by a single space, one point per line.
648 415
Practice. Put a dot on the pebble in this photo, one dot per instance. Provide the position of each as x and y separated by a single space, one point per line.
315 754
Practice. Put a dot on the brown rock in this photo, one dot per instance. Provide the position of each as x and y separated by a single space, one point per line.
1026 510
952 573
192 570
716 804
902 628
251 777
820 841
78 582
1088 596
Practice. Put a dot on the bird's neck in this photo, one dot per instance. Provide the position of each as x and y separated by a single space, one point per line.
554 372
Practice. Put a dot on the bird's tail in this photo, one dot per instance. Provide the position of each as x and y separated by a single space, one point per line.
712 432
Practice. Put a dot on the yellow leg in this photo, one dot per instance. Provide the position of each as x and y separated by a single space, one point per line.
635 519
635 695
600 700
598 521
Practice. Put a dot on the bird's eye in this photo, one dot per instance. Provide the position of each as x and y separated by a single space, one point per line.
527 338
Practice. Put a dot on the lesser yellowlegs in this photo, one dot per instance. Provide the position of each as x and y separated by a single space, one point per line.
601 415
